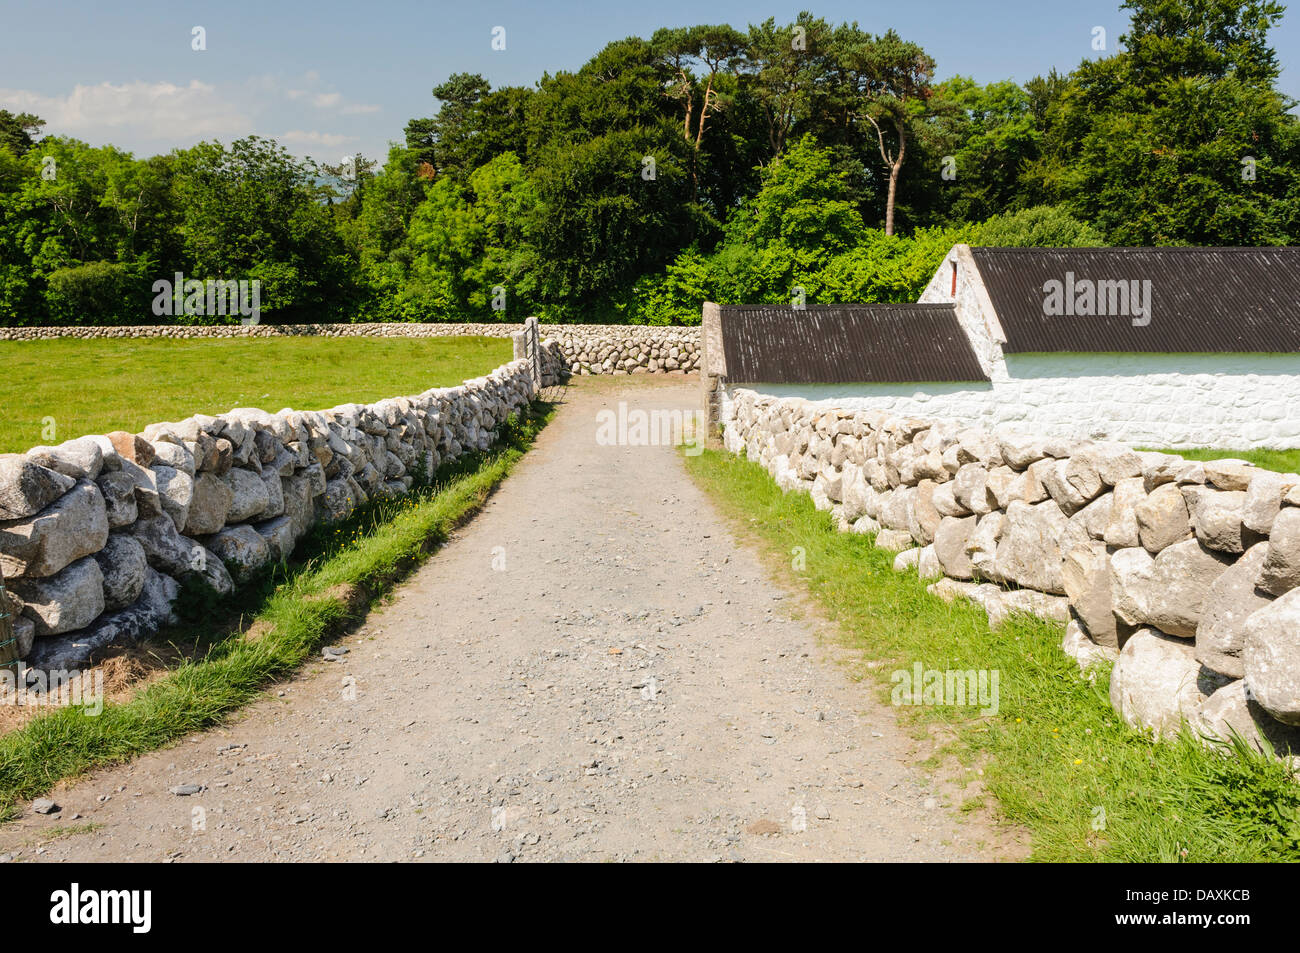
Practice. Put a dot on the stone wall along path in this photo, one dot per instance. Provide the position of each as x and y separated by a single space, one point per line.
632 686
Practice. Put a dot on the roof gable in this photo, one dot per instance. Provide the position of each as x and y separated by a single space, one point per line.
1218 300
833 344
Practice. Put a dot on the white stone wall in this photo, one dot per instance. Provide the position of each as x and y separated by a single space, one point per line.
1186 574
97 533
585 348
1173 401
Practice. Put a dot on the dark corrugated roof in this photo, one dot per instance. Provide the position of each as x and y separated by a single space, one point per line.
1201 299
835 344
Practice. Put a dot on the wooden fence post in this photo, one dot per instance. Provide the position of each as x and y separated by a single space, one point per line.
8 637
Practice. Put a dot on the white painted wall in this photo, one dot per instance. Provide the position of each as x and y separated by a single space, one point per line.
1174 401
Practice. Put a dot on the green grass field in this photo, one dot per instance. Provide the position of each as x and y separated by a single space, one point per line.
1283 461
97 386
1055 757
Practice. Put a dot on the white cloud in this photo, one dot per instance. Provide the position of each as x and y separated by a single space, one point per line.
147 110
315 138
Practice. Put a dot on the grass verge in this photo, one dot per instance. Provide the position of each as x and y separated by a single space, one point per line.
1283 461
1055 755
97 385
291 611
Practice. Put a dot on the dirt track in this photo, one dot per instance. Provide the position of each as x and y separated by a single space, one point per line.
634 685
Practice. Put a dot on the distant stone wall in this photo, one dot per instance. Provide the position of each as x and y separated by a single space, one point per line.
96 533
587 348
1184 573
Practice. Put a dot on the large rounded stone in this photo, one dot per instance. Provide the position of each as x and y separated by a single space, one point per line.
26 487
1271 657
1221 633
1157 683
70 600
122 563
73 526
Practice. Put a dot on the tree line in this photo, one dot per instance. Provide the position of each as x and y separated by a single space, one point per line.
707 162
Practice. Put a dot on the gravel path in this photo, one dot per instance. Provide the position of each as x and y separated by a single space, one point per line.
632 686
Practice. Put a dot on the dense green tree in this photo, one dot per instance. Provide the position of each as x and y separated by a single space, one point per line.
18 131
1180 138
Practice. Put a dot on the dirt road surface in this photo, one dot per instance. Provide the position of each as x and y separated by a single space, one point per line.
594 669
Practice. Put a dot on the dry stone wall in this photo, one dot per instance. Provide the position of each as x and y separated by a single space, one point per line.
585 348
1185 574
96 533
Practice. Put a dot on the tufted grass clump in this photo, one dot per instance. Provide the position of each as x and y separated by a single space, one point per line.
237 646
1056 759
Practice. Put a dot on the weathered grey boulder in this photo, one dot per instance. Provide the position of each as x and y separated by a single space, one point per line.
1162 518
896 509
927 563
209 506
113 629
165 549
81 459
26 487
1067 496
1231 711
1157 683
69 600
175 492
999 485
982 547
1221 633
274 494
299 498
118 491
854 491
1088 524
241 548
1002 604
1085 574
1217 521
1271 657
926 517
894 540
945 503
1230 474
174 455
1281 572
24 635
279 536
1264 499
865 525
208 566
122 564
907 558
249 497
73 526
1086 653
950 542
1113 462
147 501
1029 553
1020 450
1122 530
1167 591
970 489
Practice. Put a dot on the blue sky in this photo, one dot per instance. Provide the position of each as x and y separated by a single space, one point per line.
332 78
